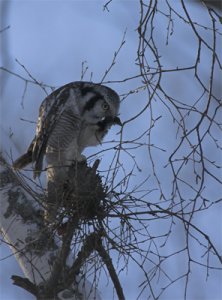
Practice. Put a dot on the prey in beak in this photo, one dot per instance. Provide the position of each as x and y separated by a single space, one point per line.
117 121
107 122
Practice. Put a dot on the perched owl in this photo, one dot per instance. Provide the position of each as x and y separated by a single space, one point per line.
73 117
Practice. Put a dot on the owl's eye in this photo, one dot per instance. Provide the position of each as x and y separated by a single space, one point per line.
105 106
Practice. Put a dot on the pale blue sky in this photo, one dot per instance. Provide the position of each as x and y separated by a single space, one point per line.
52 39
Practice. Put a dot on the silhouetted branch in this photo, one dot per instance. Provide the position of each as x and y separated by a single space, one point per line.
142 205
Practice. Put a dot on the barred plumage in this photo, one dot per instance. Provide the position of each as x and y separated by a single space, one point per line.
71 118
66 114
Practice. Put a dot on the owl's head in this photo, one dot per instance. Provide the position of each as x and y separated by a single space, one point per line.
100 104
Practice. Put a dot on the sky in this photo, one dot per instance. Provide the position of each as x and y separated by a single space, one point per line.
54 40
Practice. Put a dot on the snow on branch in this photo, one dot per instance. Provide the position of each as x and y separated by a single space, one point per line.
42 256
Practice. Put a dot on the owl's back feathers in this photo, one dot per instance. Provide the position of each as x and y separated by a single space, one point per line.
70 119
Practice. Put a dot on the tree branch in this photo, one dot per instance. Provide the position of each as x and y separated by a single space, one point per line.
42 258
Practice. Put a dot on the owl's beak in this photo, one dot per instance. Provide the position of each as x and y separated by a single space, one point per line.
116 121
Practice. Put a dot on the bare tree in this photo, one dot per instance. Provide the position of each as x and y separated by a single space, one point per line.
129 213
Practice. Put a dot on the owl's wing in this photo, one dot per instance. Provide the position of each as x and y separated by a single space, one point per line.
50 111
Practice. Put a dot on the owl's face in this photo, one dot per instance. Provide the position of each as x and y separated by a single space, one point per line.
101 106
99 111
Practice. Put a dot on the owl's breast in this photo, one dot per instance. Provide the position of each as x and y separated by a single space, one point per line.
89 136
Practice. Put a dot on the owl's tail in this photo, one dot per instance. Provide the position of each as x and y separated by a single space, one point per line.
29 157
23 160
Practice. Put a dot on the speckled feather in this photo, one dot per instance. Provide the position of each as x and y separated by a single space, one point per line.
65 119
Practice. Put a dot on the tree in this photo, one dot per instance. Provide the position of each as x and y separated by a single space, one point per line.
153 184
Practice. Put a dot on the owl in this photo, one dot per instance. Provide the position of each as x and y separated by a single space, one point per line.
73 117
